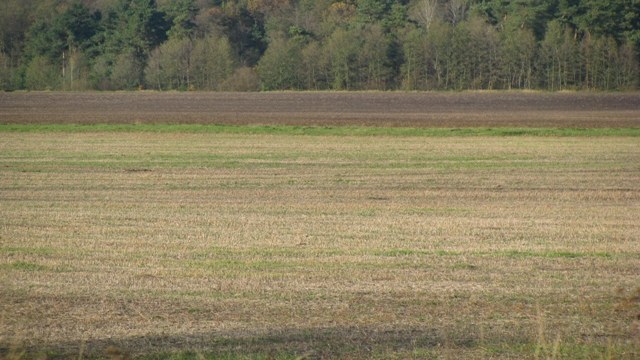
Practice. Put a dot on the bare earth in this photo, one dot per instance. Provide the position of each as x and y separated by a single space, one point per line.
468 109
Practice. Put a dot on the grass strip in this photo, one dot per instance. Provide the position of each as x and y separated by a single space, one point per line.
507 253
318 130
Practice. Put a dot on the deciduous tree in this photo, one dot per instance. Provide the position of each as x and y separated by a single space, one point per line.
213 62
342 50
425 12
42 75
517 59
279 68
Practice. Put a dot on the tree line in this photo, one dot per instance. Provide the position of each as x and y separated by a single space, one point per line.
248 45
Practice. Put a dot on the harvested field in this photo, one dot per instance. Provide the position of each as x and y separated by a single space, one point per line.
238 245
467 109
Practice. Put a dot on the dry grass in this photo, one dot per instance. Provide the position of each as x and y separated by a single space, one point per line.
289 246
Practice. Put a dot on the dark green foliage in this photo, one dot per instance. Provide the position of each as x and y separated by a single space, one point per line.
246 32
46 40
182 15
79 25
134 28
15 19
75 28
325 44
370 11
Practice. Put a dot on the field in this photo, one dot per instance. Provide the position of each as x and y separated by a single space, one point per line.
448 110
261 241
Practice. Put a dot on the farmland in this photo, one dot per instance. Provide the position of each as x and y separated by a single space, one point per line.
244 243
392 109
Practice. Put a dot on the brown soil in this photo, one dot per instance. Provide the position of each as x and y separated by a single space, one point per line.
467 109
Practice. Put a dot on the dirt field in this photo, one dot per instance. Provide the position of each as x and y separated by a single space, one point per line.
468 109
317 246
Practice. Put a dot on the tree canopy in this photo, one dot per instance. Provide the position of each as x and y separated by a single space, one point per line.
319 44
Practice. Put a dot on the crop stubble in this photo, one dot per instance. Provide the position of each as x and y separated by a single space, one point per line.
318 246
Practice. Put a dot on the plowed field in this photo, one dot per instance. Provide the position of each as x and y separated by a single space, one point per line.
469 109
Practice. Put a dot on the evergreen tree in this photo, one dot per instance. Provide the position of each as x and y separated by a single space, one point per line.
182 16
133 29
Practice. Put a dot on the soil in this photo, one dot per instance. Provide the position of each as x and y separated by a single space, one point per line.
465 109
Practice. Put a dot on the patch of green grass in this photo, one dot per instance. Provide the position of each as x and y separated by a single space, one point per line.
367 213
447 253
563 348
551 254
463 266
436 211
400 252
40 251
318 130
24 266
245 265
191 355
506 253
281 253
413 252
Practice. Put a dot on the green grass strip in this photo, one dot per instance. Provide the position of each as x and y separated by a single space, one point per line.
318 130
507 253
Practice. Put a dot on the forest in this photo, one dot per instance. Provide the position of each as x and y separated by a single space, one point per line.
263 45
